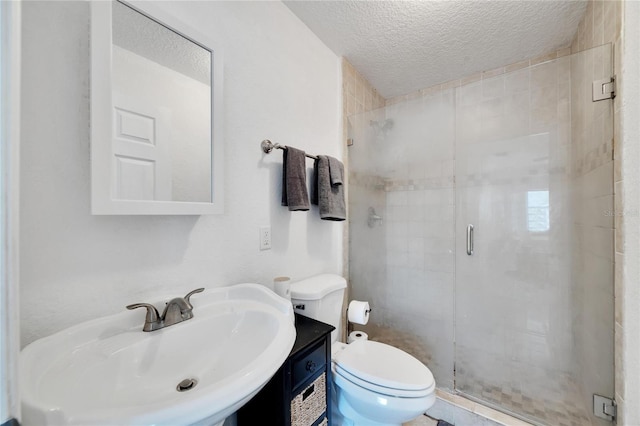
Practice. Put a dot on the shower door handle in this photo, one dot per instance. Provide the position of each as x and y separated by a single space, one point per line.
469 239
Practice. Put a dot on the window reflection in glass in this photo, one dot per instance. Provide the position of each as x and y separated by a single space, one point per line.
538 211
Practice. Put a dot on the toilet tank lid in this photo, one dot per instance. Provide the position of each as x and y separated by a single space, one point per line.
316 287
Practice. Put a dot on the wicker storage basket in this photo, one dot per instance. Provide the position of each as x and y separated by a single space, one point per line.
309 404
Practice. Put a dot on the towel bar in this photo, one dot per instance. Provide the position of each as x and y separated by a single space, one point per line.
268 146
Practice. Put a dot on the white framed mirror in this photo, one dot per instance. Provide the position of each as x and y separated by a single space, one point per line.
156 114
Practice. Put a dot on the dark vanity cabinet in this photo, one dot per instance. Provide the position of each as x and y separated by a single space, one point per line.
299 394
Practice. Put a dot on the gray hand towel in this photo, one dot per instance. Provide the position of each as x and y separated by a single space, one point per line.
294 180
336 171
328 191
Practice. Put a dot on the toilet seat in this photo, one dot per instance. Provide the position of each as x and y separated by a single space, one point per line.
383 369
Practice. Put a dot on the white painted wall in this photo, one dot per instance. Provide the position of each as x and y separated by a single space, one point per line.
281 83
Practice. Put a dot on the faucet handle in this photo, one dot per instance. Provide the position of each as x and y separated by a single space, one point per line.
152 312
191 293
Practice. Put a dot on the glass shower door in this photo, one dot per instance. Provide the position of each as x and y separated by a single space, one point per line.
401 226
534 243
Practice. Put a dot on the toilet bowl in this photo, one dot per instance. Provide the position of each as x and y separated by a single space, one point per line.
374 384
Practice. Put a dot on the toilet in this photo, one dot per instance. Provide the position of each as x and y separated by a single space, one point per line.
374 383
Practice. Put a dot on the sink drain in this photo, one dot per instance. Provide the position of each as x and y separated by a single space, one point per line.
186 384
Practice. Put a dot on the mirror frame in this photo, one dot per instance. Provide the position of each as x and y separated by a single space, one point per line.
102 202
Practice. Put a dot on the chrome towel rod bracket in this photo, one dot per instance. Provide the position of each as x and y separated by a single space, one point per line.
268 146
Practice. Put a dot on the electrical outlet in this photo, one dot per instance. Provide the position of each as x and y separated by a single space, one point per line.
265 238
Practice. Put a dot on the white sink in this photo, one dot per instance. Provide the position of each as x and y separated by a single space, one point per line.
109 372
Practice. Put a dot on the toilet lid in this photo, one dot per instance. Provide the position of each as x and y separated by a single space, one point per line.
339 372
384 365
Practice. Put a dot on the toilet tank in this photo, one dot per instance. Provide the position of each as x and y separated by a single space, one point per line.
320 297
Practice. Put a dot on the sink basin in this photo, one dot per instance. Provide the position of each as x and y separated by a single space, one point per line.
109 372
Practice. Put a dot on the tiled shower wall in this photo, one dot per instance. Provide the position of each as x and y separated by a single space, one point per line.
358 94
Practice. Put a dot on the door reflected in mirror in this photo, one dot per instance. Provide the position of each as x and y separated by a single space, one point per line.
162 112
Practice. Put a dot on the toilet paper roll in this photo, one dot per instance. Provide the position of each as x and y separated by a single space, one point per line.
357 335
359 312
282 287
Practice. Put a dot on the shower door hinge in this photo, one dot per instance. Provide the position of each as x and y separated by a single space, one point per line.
604 89
604 407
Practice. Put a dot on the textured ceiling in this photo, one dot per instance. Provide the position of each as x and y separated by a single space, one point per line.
145 37
403 46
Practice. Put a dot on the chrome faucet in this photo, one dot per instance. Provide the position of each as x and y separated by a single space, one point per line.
177 310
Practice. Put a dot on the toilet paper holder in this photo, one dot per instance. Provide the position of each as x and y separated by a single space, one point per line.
349 325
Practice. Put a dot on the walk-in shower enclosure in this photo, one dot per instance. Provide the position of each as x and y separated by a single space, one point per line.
481 232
